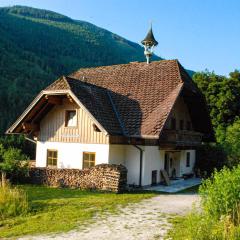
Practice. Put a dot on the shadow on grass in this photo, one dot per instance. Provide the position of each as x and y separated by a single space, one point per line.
40 192
188 191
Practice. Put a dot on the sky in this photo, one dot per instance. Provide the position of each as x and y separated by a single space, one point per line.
201 34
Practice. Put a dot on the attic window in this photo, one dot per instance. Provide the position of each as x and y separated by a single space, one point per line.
95 128
181 125
173 123
71 118
189 125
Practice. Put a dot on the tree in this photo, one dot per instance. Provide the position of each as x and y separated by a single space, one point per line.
11 162
232 142
223 98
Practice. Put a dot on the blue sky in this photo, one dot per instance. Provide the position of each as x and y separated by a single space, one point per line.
202 34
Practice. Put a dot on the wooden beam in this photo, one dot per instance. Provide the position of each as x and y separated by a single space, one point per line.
53 100
69 98
38 115
30 126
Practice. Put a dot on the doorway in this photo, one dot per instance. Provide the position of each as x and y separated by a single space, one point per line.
172 163
154 177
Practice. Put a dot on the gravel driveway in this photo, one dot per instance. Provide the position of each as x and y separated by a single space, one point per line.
145 220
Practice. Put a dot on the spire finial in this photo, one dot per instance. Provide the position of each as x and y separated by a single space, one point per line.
149 42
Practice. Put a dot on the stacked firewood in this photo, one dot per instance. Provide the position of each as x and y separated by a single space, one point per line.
105 177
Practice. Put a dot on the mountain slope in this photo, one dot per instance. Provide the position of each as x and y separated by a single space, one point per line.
37 46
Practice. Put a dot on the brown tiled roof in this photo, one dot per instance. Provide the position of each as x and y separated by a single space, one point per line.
96 100
154 123
59 84
133 99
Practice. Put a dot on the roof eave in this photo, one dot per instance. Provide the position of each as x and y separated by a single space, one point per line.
55 92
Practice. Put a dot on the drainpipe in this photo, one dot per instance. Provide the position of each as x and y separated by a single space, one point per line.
141 159
27 137
30 140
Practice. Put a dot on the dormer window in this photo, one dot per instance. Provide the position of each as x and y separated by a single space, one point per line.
71 118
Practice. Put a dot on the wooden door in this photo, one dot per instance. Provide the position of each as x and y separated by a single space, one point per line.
154 177
166 163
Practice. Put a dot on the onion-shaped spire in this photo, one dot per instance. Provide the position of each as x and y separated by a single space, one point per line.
149 42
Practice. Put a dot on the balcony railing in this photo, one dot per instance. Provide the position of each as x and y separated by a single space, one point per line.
180 138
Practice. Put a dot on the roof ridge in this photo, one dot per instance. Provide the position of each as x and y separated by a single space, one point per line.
60 80
122 64
178 70
188 79
66 81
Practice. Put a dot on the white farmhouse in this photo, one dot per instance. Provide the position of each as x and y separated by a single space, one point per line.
147 116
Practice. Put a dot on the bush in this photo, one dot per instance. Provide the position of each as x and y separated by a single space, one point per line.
13 163
13 202
19 142
210 157
232 143
221 193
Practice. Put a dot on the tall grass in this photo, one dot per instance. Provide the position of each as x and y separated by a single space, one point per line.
221 193
13 202
200 226
219 218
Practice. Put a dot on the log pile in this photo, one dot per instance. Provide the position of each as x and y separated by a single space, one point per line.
105 177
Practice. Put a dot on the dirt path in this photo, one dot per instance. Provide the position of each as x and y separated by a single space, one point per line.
145 220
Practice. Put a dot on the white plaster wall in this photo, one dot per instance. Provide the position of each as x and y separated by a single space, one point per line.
132 156
153 160
117 154
70 154
183 168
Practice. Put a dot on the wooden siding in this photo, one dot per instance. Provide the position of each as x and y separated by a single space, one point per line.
179 112
52 127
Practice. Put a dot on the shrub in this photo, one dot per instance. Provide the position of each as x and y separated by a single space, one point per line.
221 193
12 163
13 202
210 157
18 141
232 143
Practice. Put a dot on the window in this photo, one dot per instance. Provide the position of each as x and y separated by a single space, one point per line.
52 156
88 159
188 125
173 123
71 118
188 159
95 128
181 125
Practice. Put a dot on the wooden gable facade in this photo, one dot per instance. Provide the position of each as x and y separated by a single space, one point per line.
53 126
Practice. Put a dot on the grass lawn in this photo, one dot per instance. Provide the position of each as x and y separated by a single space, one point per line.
59 210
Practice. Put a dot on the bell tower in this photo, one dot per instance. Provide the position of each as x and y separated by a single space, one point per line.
149 42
